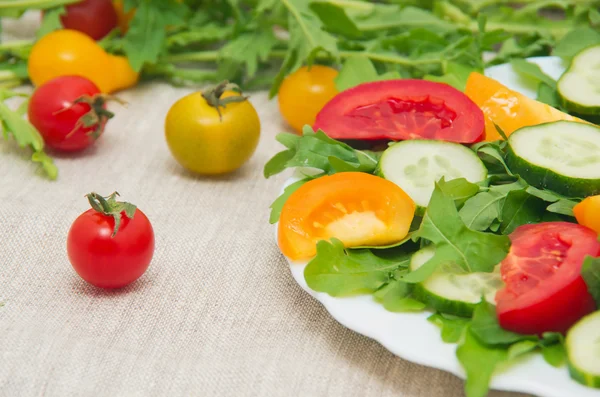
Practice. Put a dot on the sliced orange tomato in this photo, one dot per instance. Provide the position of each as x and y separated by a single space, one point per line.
357 208
508 109
587 213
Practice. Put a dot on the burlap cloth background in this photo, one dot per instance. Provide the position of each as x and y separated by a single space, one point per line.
217 313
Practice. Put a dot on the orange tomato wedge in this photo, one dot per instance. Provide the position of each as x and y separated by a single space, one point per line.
508 109
587 213
357 208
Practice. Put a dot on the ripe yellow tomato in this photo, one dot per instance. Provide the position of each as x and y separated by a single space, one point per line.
207 144
587 213
71 53
304 93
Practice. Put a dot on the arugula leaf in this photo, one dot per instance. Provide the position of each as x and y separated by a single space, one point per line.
279 202
553 348
456 75
519 348
338 272
249 49
357 70
486 328
334 19
479 362
520 208
317 150
473 251
575 41
480 211
562 207
25 134
459 190
590 272
532 71
307 40
549 95
395 297
51 21
146 37
453 328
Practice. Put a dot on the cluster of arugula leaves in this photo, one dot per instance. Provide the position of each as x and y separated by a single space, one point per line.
256 43
469 225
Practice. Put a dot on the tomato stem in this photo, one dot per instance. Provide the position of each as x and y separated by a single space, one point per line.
213 94
109 206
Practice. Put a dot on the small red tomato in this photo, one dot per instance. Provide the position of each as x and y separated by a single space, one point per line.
110 245
70 113
96 18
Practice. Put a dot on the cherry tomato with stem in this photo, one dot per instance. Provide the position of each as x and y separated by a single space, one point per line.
110 245
96 18
304 93
69 112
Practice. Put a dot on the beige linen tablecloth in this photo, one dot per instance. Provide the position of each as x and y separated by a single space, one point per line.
217 313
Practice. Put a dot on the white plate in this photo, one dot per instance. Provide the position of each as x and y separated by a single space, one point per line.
412 337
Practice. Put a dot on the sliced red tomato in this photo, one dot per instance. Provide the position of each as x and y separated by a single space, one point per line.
354 207
544 291
402 109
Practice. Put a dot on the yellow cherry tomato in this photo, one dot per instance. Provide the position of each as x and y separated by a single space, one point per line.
209 144
587 213
69 52
303 94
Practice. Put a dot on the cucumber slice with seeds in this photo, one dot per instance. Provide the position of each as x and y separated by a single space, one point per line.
583 350
416 165
563 156
579 86
452 293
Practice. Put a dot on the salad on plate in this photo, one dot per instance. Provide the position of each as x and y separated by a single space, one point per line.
479 206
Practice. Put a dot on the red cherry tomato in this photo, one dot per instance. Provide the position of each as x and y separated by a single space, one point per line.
96 18
108 256
54 112
544 290
402 109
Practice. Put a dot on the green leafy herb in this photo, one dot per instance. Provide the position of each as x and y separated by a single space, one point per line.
395 297
357 70
146 38
453 328
339 272
51 21
13 124
486 328
575 41
553 348
520 208
590 271
532 71
480 362
277 205
317 150
472 251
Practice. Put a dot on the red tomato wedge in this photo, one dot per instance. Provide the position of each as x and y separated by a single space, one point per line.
544 291
400 110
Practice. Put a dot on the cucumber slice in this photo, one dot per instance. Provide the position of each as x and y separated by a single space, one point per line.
563 156
579 86
583 350
452 293
415 166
